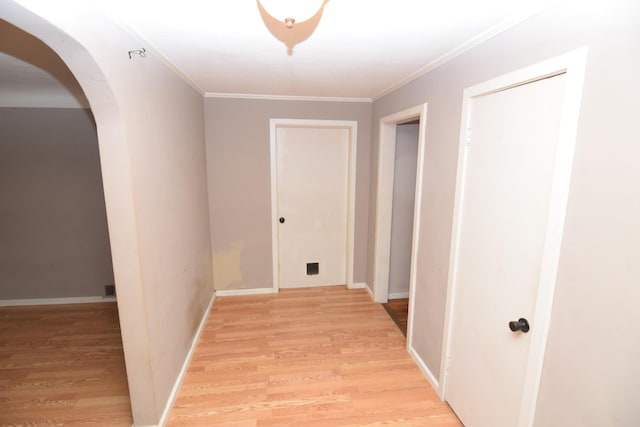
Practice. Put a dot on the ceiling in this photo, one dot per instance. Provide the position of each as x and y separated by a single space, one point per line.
358 49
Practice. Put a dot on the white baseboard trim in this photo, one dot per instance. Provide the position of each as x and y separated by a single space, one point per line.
359 285
185 365
425 371
54 301
399 295
370 292
238 292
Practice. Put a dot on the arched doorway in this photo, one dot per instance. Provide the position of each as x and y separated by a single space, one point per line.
118 200
59 325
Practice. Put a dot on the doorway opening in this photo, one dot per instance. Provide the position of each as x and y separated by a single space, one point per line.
60 244
402 141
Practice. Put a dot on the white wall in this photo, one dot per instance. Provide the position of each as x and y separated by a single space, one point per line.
151 139
404 189
591 373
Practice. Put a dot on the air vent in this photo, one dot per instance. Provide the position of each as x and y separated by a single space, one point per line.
110 290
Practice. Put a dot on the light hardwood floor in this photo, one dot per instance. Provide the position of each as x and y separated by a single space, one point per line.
305 357
62 365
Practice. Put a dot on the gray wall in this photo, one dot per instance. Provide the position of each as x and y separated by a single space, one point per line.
591 373
53 227
404 196
238 169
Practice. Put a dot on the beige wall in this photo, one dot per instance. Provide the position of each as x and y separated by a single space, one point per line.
591 371
238 167
151 139
54 241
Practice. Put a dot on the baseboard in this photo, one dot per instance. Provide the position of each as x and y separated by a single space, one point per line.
425 370
55 301
360 285
370 292
399 295
261 291
238 292
185 365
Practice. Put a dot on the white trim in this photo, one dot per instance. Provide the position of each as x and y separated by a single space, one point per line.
384 198
417 218
55 301
382 239
185 365
510 21
359 285
351 188
424 368
241 292
573 64
275 265
502 26
286 97
351 202
318 285
399 295
370 292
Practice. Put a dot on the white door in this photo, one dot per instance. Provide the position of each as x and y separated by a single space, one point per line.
312 189
503 220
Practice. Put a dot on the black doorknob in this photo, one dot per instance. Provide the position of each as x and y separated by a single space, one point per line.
521 324
281 220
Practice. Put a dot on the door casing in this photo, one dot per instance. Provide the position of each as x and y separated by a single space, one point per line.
384 197
572 64
351 182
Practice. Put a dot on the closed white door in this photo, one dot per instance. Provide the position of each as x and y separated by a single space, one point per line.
312 189
507 185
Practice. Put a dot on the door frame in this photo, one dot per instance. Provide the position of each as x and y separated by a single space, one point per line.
384 199
352 126
573 65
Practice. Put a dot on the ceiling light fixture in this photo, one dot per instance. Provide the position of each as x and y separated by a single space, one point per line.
292 11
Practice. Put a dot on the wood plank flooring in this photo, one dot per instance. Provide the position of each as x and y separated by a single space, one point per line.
62 365
304 357
398 310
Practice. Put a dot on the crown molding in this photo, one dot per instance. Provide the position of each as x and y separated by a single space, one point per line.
502 26
286 97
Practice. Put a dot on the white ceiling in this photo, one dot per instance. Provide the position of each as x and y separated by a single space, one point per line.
359 49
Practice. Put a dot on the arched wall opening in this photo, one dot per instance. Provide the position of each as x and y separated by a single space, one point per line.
114 159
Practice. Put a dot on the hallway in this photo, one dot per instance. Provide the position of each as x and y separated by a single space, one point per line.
314 357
